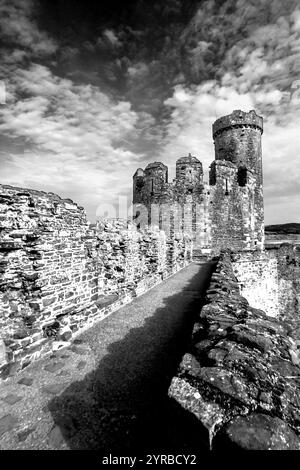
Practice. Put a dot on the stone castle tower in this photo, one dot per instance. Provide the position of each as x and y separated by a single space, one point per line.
226 213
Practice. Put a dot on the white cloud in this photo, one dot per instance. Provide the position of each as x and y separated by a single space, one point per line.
72 130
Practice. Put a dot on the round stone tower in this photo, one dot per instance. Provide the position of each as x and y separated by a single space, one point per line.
237 138
236 179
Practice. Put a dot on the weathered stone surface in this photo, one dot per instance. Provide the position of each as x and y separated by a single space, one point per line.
259 432
288 275
54 367
54 389
207 411
22 435
63 373
244 336
10 369
65 335
245 363
257 276
26 381
11 399
7 423
81 365
56 438
270 280
78 350
59 274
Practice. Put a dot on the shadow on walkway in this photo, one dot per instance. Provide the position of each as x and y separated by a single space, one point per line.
122 407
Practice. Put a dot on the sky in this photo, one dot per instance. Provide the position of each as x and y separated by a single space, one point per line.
91 90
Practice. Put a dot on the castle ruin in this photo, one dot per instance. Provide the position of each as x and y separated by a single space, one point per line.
227 212
60 275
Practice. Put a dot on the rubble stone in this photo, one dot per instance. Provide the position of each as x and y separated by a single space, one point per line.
244 363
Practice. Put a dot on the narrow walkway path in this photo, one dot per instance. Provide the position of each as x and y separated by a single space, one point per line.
108 391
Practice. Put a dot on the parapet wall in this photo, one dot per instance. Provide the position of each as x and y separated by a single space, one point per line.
287 256
240 376
270 280
58 275
236 119
257 276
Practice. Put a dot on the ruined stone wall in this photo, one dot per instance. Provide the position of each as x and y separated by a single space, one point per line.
257 276
57 275
227 214
240 376
287 257
177 207
270 280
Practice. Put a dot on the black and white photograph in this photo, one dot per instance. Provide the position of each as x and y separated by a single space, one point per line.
149 229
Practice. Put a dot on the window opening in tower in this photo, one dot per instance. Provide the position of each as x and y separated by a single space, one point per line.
226 190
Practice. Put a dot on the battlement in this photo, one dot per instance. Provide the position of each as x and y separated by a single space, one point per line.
189 159
226 213
154 165
238 118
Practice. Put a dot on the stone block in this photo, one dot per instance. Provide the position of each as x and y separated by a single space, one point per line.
65 335
8 423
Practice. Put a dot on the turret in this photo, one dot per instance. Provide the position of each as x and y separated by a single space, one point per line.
227 213
237 138
150 191
156 177
189 172
236 207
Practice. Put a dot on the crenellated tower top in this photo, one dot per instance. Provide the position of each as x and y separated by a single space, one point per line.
237 118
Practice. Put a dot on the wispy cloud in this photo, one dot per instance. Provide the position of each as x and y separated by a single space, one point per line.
72 129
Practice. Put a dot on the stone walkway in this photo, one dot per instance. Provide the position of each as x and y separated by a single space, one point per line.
108 390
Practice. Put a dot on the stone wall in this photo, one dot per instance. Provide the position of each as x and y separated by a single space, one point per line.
227 213
270 280
59 275
257 276
178 206
287 257
233 210
240 377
